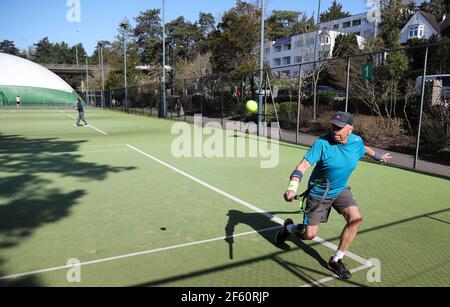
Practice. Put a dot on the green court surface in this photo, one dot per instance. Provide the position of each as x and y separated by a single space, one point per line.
114 197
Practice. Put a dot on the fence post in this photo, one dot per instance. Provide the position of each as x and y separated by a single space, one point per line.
416 157
221 103
348 84
299 101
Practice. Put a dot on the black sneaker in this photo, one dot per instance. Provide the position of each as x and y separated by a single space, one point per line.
282 234
339 268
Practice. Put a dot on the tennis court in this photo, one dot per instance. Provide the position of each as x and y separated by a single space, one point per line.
114 197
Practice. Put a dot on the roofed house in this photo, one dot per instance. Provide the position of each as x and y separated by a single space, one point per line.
424 25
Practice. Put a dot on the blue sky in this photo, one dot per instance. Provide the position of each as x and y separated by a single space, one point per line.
28 21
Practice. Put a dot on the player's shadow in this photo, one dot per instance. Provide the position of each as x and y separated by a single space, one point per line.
266 229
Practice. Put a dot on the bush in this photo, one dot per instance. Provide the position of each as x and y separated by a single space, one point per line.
287 114
326 97
432 137
377 130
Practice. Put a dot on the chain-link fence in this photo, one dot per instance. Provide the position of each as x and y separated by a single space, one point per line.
394 110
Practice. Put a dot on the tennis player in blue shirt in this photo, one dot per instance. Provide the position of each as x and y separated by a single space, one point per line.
335 157
80 109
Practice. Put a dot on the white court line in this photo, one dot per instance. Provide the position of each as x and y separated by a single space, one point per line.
86 151
326 279
151 251
25 150
90 126
106 145
248 205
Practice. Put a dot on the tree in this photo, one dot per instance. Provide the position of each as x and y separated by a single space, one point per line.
206 22
334 12
183 37
303 25
396 67
345 45
394 16
280 24
135 77
44 51
236 37
8 46
78 50
283 24
436 7
148 34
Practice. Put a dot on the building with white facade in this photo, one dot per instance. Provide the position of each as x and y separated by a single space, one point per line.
360 25
300 48
285 55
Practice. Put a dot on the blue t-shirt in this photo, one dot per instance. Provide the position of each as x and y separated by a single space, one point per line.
334 162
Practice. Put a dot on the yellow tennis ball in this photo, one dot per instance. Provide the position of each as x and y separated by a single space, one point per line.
252 106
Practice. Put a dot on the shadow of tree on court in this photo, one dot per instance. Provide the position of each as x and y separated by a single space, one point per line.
27 202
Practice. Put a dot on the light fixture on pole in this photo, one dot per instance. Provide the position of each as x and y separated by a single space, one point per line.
124 26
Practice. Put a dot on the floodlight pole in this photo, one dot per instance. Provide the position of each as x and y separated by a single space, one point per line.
76 47
261 71
125 27
103 74
87 82
76 53
163 108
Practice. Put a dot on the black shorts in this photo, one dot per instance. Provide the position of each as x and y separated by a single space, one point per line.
318 211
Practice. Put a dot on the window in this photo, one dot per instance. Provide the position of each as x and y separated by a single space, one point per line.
287 47
298 59
277 48
347 24
277 62
287 60
325 40
356 22
299 44
415 31
336 27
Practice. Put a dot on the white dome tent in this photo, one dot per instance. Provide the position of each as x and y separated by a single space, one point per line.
34 83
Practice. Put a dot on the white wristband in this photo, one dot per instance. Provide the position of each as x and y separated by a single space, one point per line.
293 186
